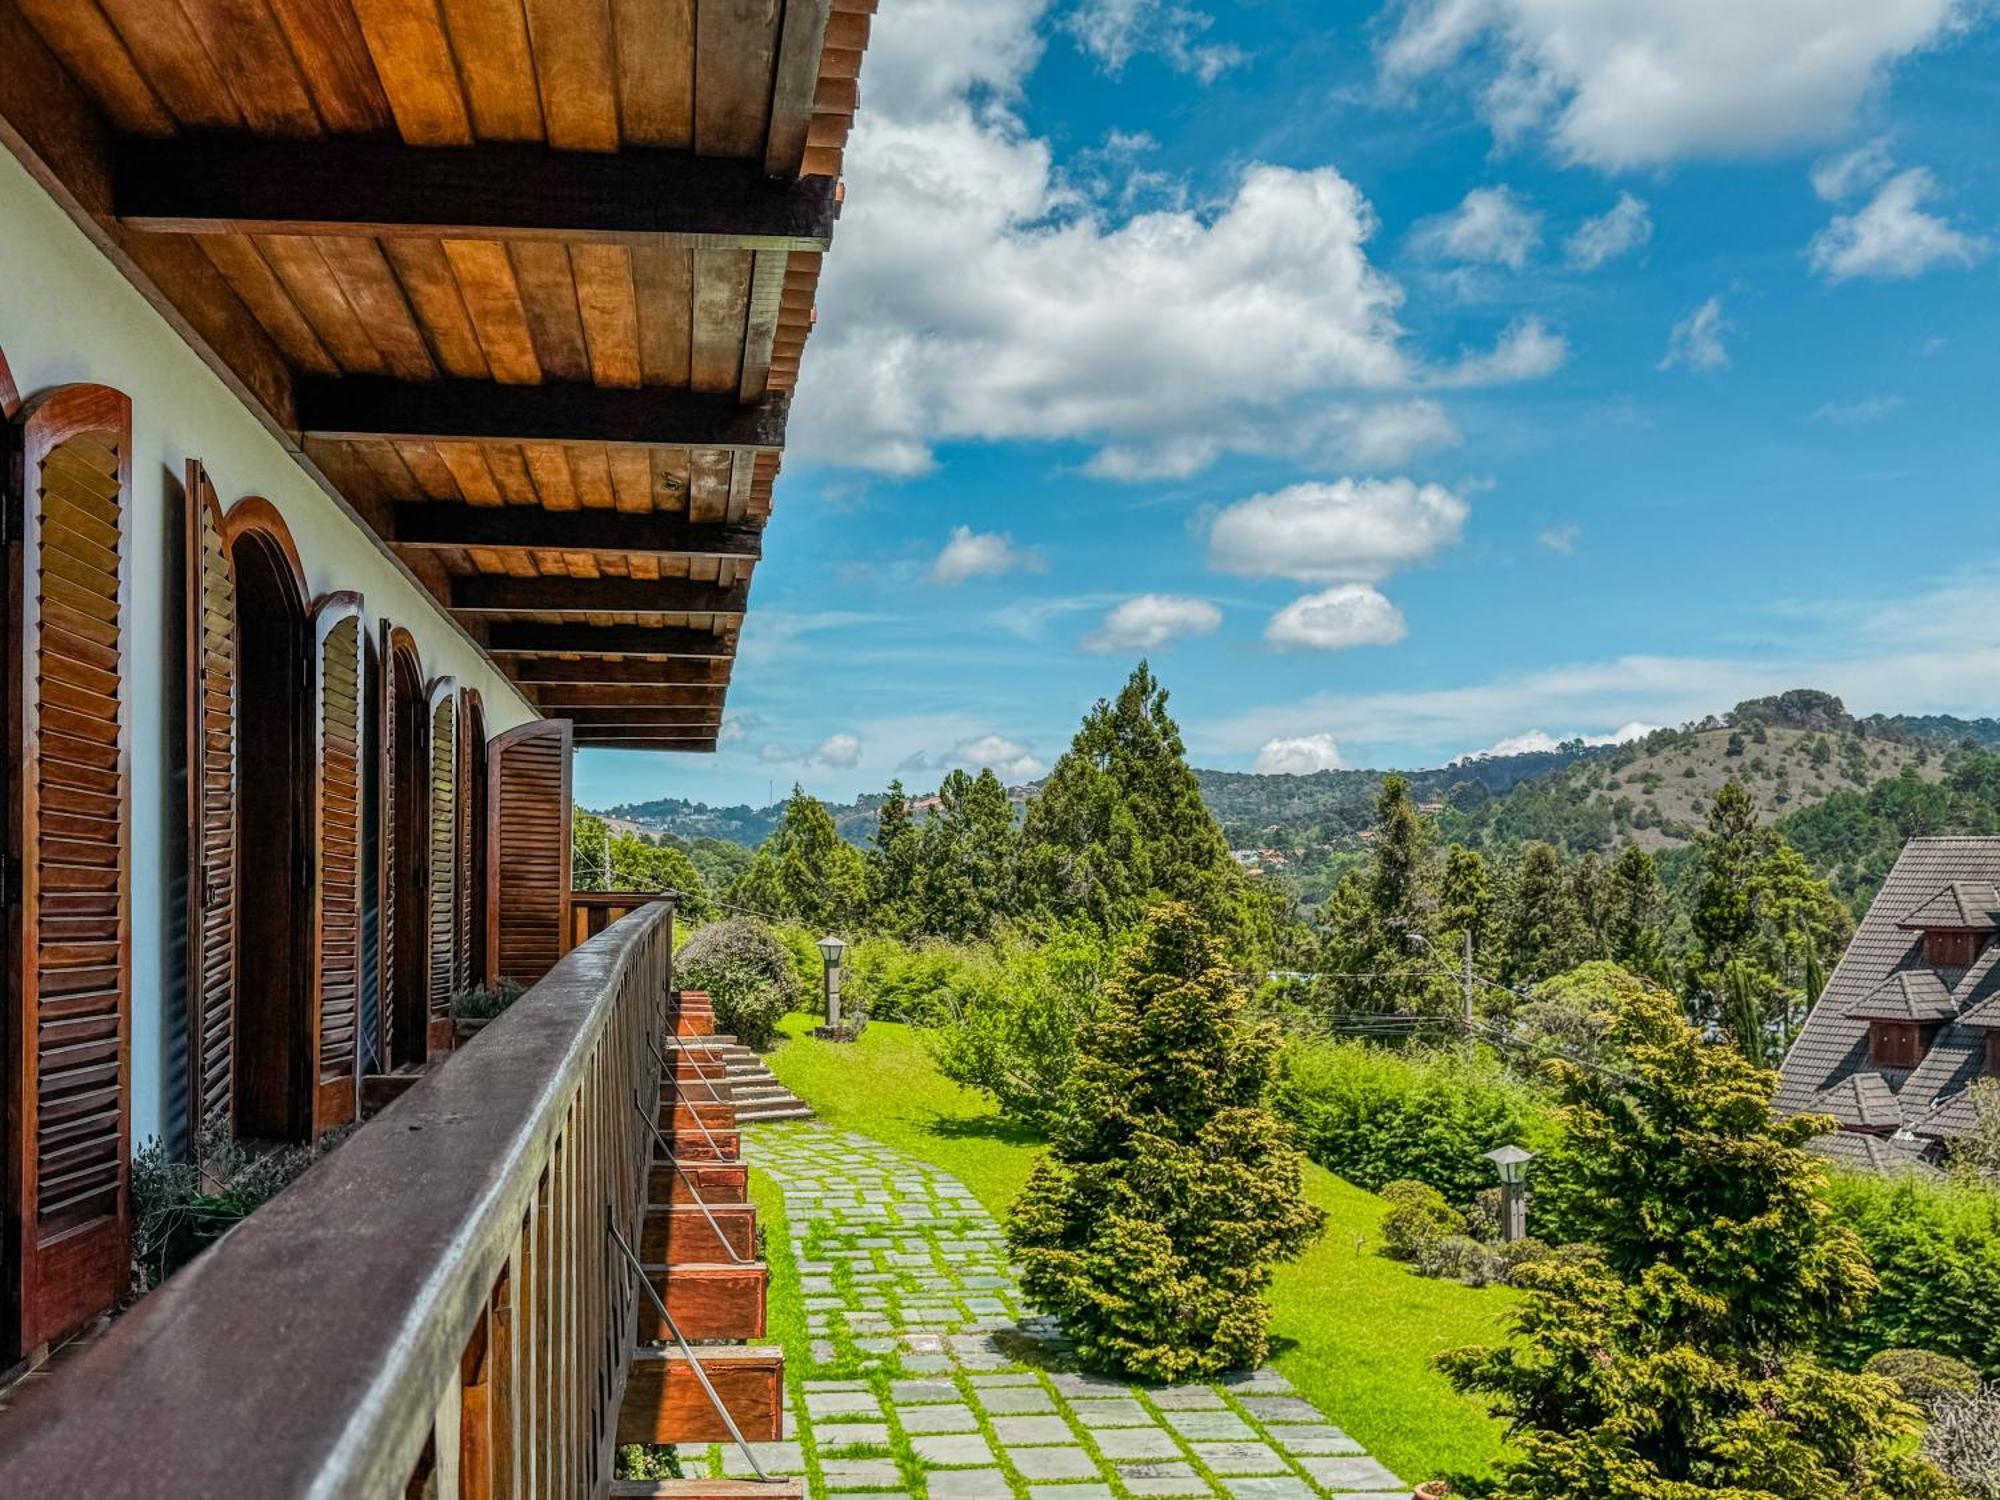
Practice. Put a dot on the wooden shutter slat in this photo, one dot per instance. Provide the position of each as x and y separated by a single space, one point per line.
386 848
443 859
68 810
337 676
212 805
527 851
471 834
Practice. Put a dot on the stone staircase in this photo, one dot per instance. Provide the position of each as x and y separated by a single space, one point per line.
753 1088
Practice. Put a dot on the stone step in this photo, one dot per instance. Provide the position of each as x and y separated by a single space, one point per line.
763 1114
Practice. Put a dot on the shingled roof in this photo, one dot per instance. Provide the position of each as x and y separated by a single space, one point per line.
1938 883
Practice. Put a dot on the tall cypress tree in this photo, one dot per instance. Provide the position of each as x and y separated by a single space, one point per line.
1543 933
805 872
892 863
1169 1190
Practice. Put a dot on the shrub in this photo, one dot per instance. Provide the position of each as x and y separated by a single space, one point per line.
181 1207
1372 1116
747 972
1168 1192
808 967
1418 1218
1936 1251
1924 1378
482 1004
1014 1022
1964 1441
1459 1257
925 985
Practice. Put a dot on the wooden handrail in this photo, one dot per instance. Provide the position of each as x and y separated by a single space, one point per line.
441 1290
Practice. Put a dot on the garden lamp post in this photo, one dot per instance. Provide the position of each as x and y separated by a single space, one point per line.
831 949
1512 1164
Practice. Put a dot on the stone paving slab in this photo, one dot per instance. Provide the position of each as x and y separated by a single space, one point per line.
924 1353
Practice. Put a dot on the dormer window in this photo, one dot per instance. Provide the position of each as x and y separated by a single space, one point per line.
1900 1044
1946 949
1957 921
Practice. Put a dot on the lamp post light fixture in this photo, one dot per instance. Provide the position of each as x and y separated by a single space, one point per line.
833 949
1512 1164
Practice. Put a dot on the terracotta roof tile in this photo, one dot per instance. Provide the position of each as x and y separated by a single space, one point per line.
1963 905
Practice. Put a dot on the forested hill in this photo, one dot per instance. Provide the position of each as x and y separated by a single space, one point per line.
1846 790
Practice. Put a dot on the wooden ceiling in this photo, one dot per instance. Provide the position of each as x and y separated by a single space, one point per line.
526 282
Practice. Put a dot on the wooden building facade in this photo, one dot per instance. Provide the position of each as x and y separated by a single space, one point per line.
394 392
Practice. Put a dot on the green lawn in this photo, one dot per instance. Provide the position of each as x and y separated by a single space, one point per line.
1355 1332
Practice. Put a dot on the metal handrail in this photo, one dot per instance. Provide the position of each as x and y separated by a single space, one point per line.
700 1123
700 1202
687 1349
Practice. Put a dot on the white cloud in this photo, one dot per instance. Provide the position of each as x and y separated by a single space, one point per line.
1397 431
1527 350
1299 756
1850 172
1332 620
1152 620
1696 341
1010 760
1347 531
1116 31
1030 619
1856 413
1629 83
1891 238
733 730
841 752
1620 229
982 294
1561 539
981 554
1490 226
1541 742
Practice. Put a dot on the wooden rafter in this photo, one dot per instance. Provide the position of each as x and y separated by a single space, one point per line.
441 524
560 700
358 407
597 670
667 199
707 717
499 595
528 637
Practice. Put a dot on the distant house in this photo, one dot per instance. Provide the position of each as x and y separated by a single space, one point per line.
1911 1018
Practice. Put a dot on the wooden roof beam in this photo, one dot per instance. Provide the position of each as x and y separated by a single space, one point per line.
596 670
444 524
359 407
499 594
701 716
516 637
691 746
224 184
562 700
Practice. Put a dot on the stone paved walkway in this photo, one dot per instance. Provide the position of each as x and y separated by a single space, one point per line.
928 1376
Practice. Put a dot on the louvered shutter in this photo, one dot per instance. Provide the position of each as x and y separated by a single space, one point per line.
386 844
443 865
10 396
212 810
336 828
471 821
67 1069
527 851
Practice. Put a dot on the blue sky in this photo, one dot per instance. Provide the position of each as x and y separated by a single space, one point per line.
1402 380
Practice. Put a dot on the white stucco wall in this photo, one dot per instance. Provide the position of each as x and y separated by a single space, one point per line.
67 315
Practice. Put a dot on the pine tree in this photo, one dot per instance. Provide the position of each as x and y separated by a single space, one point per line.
1169 1189
805 872
1543 935
965 859
1638 915
892 864
1467 903
1120 825
1669 1356
1380 952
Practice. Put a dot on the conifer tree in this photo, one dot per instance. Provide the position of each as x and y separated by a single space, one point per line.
1542 930
892 863
1169 1189
1120 825
965 858
1467 903
1669 1355
1638 914
805 872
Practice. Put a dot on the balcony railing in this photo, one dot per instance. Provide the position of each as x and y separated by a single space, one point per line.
590 912
438 1307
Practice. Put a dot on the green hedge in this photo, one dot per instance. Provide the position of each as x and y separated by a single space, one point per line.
1936 1248
1373 1116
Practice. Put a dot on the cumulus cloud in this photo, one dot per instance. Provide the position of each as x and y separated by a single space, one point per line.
1619 230
1333 619
981 554
1300 755
1490 226
1540 742
982 294
1891 238
1561 539
1347 531
1527 350
1010 760
1152 620
1116 31
1856 413
1697 340
1631 83
1849 172
841 752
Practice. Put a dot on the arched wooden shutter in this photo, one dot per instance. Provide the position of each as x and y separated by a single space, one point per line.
336 829
471 832
527 851
443 863
385 843
69 866
212 810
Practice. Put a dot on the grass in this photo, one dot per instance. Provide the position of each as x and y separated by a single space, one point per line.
1353 1331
